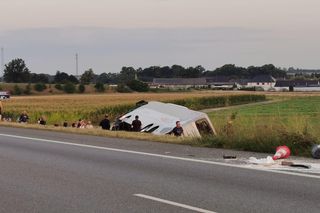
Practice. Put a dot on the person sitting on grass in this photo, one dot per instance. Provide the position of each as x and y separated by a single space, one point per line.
65 124
89 125
23 117
42 120
82 124
79 123
105 123
116 125
177 130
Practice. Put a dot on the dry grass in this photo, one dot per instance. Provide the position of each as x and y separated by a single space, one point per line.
104 133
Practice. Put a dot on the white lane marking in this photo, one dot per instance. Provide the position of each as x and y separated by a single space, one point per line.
173 203
159 155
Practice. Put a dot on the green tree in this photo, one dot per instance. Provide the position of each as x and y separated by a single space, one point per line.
87 77
138 86
73 79
230 70
122 88
16 71
99 87
39 87
62 78
39 78
69 87
81 88
58 86
17 90
27 90
108 78
178 71
127 74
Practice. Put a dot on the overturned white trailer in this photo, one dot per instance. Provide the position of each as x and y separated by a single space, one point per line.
160 118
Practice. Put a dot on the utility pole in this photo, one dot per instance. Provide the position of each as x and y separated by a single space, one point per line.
2 61
77 65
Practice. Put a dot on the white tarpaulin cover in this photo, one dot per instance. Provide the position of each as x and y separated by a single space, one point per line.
160 118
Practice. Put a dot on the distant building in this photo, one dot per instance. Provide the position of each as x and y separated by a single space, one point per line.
180 83
298 85
217 82
267 82
222 82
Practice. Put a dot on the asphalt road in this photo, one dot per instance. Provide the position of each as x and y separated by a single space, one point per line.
49 172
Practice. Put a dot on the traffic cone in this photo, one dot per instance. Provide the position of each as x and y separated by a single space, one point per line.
281 153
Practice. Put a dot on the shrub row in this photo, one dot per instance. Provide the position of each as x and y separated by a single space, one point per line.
219 101
67 88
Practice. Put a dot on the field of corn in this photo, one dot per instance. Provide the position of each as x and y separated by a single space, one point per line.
58 108
292 120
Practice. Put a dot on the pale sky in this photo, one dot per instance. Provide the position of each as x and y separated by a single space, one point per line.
109 34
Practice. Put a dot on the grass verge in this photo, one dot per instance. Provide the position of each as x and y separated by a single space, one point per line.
103 133
293 122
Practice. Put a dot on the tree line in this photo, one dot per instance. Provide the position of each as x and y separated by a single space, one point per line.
128 78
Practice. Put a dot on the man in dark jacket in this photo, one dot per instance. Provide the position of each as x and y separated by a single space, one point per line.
136 124
177 131
105 123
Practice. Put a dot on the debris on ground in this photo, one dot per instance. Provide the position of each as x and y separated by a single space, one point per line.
292 164
286 163
283 165
262 161
229 157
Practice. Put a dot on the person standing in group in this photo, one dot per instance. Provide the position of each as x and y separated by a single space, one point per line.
136 124
177 130
105 123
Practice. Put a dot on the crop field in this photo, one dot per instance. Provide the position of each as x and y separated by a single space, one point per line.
294 121
296 114
58 108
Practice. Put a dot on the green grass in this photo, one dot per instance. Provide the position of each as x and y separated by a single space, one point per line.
293 122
